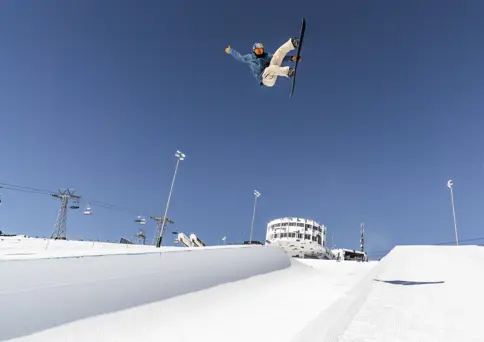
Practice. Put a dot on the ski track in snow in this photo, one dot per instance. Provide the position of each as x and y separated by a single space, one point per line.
417 293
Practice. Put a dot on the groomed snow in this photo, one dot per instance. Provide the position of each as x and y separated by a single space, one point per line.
38 294
205 294
417 293
251 293
20 247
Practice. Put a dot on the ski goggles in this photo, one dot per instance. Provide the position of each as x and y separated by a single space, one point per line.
258 48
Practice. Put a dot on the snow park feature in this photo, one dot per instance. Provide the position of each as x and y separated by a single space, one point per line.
416 293
192 241
184 239
196 241
236 293
40 294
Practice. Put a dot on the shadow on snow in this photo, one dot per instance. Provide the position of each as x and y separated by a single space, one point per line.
406 282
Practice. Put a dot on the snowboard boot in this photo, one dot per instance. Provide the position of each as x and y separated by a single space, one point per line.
295 42
291 72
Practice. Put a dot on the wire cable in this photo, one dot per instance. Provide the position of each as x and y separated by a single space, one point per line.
101 204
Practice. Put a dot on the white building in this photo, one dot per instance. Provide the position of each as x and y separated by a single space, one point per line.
349 254
299 237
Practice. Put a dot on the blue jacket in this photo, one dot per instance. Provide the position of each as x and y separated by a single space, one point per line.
256 64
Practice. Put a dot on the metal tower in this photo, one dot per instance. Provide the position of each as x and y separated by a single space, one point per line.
362 237
159 227
60 226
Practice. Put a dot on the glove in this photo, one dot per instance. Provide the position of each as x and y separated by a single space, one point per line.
227 49
293 58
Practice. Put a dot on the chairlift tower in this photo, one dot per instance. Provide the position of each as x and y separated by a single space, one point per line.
159 227
362 237
60 226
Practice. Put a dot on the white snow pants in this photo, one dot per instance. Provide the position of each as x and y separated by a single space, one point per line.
270 74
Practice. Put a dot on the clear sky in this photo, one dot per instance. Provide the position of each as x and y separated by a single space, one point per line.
98 96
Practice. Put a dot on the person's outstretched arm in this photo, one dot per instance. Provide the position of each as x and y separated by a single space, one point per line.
237 56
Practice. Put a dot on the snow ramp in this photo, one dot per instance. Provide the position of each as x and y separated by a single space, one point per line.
416 293
38 294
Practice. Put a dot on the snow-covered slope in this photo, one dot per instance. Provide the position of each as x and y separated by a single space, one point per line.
182 295
416 293
37 294
240 293
20 247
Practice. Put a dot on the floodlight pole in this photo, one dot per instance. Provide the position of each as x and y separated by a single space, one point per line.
256 196
180 156
450 185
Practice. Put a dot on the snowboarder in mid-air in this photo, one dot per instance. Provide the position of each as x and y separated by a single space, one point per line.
266 67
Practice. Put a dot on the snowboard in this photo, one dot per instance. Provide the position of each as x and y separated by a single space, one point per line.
301 37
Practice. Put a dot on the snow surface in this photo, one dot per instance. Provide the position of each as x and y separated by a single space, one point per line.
417 293
241 293
21 247
37 294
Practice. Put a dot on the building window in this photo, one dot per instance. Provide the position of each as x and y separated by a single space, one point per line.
300 224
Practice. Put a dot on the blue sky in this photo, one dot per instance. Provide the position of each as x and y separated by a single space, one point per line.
98 96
